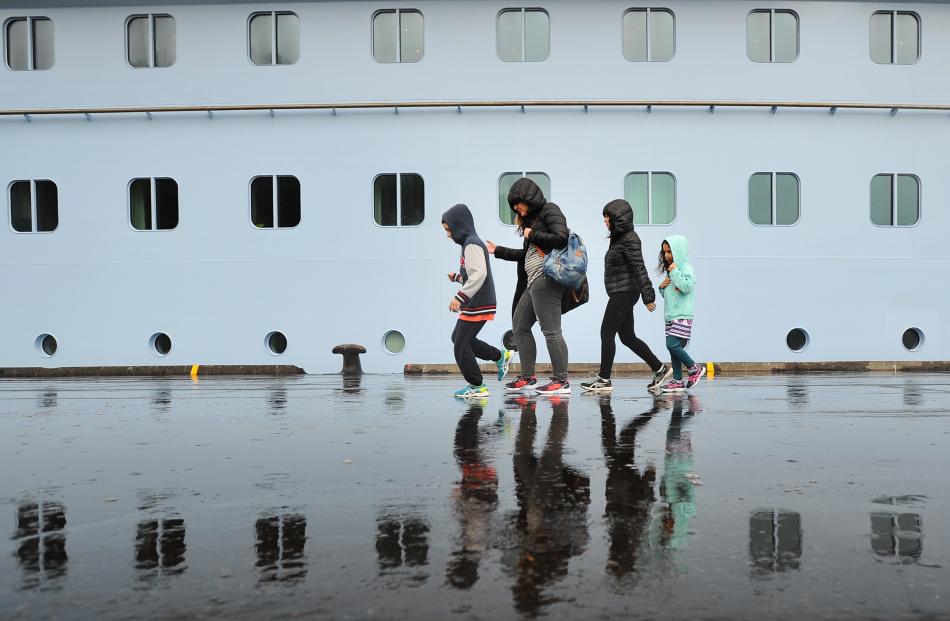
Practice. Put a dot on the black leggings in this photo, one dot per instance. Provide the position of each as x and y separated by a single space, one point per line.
468 348
618 319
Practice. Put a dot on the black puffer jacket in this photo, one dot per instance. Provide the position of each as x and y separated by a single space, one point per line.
548 228
624 269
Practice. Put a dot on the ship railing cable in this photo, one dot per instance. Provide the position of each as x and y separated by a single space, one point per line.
584 105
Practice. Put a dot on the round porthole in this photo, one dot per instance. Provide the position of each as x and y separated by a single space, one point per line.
160 343
913 339
276 343
394 341
797 339
46 345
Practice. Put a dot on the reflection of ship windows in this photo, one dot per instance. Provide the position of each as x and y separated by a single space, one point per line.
401 542
153 204
505 213
772 36
160 545
274 38
895 38
774 199
652 196
398 200
775 541
524 35
895 200
29 43
275 202
897 534
398 36
648 35
151 41
280 548
41 542
34 206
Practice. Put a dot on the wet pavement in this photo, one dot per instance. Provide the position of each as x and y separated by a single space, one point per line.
786 497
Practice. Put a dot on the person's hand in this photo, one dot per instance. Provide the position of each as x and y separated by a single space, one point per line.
527 233
665 283
651 307
672 266
452 276
454 305
490 245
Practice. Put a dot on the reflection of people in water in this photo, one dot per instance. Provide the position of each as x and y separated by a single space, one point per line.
629 493
551 523
679 478
475 499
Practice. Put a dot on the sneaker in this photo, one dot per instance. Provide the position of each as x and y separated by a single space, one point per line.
659 377
554 387
522 382
695 373
673 387
472 391
597 384
503 363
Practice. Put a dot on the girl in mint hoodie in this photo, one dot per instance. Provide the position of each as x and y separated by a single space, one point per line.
678 291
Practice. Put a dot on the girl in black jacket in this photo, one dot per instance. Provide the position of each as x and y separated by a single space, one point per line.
626 280
537 297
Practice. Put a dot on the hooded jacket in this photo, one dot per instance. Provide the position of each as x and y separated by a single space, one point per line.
624 269
548 228
477 294
681 292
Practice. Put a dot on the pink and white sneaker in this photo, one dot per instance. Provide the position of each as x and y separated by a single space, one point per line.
695 373
673 387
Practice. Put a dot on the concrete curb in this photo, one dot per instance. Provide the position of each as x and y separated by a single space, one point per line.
152 371
721 368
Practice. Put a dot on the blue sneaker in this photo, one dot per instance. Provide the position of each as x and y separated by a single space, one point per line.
472 391
503 363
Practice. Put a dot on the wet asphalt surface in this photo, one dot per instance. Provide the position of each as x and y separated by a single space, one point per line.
786 497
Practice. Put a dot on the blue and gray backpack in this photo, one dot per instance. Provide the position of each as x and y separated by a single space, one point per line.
568 265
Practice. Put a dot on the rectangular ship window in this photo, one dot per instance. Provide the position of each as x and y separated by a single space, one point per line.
505 214
274 38
652 196
648 35
29 43
772 36
398 36
774 199
398 199
34 206
895 199
275 199
895 37
153 204
523 35
151 41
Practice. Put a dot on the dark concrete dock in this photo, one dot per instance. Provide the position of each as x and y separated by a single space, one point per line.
819 496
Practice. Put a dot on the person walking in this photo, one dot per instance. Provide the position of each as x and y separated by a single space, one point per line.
626 280
544 228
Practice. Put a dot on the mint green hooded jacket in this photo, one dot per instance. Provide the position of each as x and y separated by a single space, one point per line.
681 292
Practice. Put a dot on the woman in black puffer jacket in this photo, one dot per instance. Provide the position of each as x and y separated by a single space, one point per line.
626 280
537 297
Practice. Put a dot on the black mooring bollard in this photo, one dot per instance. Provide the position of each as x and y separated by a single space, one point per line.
351 358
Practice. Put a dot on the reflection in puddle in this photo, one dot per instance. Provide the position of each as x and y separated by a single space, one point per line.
402 541
48 399
160 548
897 534
775 541
41 544
277 400
280 548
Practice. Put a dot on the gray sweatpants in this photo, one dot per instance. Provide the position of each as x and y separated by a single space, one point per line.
541 302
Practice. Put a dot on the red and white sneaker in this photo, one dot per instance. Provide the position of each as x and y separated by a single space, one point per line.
522 382
673 387
554 387
695 373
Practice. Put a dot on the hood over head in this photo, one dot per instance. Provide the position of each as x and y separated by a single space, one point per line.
621 216
526 191
678 246
460 222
